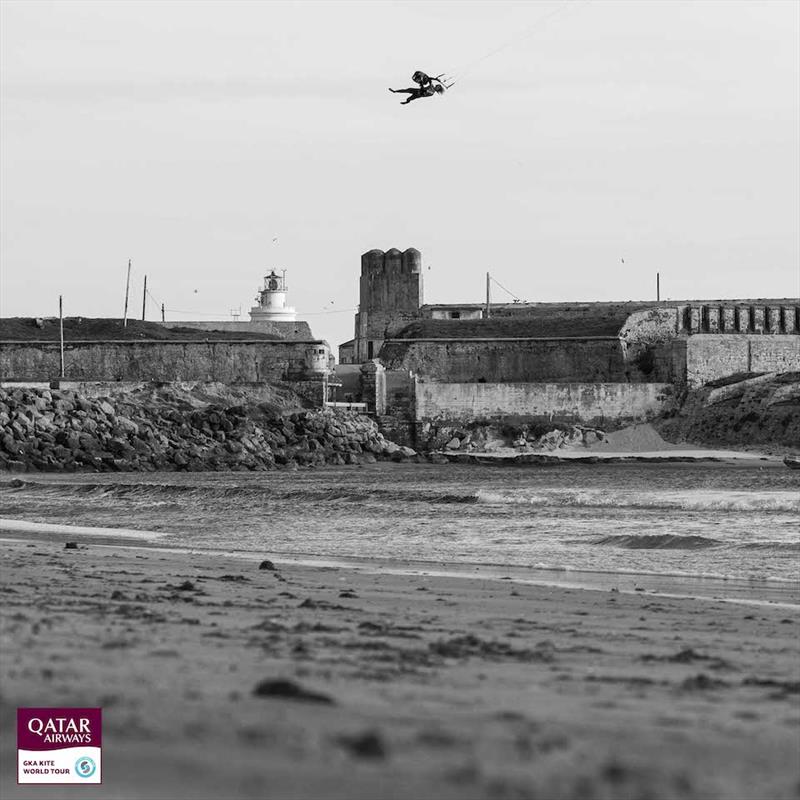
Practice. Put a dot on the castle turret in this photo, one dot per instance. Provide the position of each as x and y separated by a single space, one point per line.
390 297
271 301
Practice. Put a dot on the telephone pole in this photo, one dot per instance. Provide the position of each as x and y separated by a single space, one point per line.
144 297
127 292
488 295
61 330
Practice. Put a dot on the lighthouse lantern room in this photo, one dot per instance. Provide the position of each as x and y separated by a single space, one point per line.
271 301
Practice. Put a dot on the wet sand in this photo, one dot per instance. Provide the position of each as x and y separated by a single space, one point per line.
405 686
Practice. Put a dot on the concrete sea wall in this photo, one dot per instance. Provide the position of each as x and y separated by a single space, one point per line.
588 403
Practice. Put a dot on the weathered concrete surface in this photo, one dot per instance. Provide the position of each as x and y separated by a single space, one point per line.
231 361
589 403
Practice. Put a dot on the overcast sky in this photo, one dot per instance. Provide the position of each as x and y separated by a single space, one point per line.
188 135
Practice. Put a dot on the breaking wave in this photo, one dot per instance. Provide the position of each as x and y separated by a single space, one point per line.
165 492
658 541
790 547
690 500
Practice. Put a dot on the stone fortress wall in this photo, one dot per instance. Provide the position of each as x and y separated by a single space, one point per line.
604 363
224 361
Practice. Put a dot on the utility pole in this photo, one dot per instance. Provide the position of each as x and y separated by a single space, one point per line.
163 318
658 287
144 297
127 292
488 295
61 331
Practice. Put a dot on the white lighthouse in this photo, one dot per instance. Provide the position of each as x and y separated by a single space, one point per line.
271 301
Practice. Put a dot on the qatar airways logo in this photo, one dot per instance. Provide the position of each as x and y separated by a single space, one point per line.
59 745
61 730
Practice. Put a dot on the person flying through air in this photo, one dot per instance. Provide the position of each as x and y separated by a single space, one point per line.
426 87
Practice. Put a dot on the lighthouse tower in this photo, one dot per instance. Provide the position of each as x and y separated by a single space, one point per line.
271 301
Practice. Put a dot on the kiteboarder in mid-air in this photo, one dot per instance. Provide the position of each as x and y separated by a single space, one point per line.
426 87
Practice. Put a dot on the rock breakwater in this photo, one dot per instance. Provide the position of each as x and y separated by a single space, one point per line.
61 430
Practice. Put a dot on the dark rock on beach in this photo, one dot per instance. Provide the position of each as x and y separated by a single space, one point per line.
282 688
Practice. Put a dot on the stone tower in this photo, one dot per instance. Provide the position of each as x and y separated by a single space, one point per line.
389 298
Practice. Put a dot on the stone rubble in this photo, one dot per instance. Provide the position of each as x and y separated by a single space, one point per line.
59 430
489 437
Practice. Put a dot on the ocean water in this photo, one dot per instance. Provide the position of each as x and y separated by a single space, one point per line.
718 522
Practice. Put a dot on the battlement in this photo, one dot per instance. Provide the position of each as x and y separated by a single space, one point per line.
724 318
392 262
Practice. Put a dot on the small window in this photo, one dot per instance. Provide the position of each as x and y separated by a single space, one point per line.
370 350
455 315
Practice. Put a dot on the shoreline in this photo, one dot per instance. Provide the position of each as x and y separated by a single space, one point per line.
775 592
691 456
431 686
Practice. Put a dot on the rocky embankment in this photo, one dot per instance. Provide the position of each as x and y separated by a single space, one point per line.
55 430
760 412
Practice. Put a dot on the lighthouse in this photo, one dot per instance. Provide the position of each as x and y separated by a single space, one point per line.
271 299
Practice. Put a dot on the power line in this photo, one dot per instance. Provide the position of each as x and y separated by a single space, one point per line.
507 291
456 75
198 313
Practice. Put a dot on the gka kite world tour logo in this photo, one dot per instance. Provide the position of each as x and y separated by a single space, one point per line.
59 745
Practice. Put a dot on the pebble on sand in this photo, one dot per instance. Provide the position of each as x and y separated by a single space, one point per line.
289 690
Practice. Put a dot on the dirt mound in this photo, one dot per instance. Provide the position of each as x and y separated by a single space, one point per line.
634 439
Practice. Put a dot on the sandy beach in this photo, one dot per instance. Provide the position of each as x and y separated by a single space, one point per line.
220 679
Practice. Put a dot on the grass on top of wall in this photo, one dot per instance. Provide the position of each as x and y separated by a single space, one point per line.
87 329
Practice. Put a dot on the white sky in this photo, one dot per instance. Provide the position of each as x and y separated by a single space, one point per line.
186 135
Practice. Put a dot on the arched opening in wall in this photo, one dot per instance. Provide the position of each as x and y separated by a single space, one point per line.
704 318
751 319
742 319
686 322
